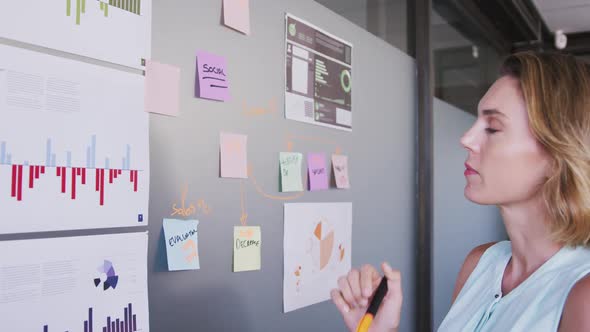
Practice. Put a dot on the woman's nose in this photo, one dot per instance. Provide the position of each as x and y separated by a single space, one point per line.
469 140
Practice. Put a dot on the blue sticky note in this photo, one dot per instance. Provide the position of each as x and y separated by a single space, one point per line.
182 239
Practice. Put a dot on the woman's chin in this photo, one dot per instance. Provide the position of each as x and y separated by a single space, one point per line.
472 195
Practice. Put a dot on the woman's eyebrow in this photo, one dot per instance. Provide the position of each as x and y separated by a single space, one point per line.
489 112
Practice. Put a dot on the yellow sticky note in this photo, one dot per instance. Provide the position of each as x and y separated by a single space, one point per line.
247 243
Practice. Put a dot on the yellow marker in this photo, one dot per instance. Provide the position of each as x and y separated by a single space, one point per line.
367 319
365 323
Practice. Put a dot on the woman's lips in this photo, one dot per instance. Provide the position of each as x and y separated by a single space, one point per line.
469 170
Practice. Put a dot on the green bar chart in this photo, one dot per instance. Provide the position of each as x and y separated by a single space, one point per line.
131 6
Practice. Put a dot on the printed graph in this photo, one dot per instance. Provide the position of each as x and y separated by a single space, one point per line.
133 6
317 242
114 31
70 176
70 167
50 285
126 323
78 7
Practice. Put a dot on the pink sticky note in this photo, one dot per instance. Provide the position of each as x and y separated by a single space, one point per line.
211 81
161 88
236 15
340 164
234 156
317 172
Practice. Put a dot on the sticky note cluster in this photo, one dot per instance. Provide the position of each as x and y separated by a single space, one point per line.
290 164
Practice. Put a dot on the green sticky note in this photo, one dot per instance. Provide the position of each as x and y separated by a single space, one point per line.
247 243
290 163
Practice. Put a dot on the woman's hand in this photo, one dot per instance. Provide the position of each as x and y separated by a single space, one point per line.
355 292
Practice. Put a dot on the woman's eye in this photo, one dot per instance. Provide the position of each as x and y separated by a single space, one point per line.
491 130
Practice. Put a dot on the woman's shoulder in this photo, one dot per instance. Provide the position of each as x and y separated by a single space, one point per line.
469 265
476 253
575 312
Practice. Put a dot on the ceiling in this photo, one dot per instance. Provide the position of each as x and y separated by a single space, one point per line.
571 16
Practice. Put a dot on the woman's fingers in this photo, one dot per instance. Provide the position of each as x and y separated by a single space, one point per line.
356 289
339 301
394 280
389 314
391 274
354 281
346 292
368 274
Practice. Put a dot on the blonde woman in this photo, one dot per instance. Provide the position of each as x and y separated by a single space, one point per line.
528 152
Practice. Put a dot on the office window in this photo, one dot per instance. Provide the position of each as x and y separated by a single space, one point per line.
386 19
465 65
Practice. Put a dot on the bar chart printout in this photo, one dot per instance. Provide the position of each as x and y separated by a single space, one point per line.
64 287
126 324
74 149
117 31
69 177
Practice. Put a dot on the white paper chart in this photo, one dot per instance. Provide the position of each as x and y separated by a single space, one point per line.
117 31
86 283
74 145
317 251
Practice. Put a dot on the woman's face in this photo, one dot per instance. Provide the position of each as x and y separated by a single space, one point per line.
505 163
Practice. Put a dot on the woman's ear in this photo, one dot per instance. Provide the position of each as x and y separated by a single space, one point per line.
551 167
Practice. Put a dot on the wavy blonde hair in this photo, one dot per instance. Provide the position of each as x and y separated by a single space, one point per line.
556 90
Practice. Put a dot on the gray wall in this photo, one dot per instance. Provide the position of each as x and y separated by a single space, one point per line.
184 150
459 225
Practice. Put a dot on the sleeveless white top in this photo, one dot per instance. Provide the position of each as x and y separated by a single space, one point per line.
534 305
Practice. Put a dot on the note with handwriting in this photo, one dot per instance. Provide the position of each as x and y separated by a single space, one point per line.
236 15
317 172
234 155
182 244
247 244
340 164
290 168
212 80
162 83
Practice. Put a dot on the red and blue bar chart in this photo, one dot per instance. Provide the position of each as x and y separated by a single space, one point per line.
74 146
70 176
